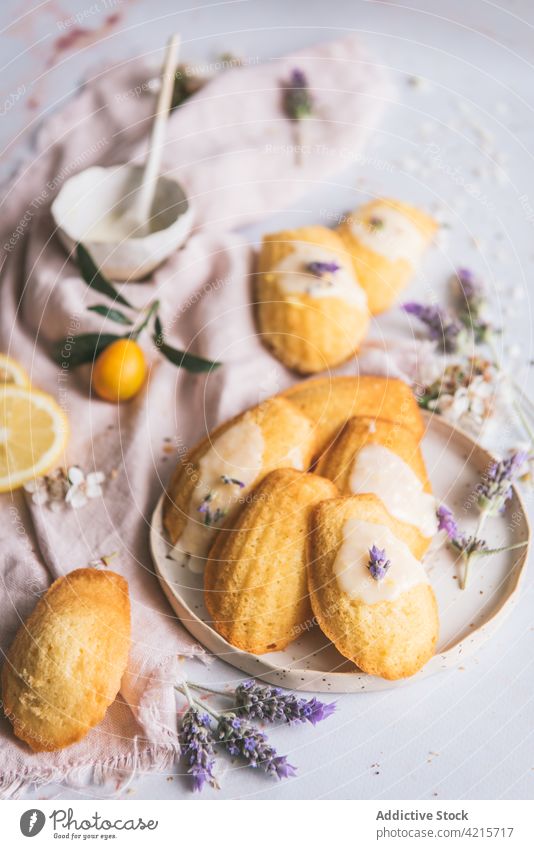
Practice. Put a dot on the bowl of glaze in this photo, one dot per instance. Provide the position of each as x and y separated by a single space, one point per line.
90 206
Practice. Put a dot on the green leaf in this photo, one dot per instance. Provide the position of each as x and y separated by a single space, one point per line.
182 359
109 312
74 351
158 331
94 277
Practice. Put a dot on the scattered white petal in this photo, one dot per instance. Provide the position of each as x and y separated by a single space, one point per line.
40 496
95 478
76 475
77 498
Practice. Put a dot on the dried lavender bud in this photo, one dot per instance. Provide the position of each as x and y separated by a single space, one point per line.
235 481
297 102
376 223
496 487
211 517
256 701
241 739
198 748
378 564
319 268
442 326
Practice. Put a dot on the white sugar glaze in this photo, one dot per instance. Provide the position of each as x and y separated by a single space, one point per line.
293 278
237 454
352 561
396 238
379 470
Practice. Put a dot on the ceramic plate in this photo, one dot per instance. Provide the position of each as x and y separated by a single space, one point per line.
468 617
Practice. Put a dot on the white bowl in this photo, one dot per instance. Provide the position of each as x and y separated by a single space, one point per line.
85 204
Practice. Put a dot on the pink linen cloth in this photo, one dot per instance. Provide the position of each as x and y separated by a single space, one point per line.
231 147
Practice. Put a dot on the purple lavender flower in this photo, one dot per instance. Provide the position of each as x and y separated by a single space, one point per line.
298 102
241 739
272 704
235 481
442 326
319 268
198 749
378 564
447 522
468 545
496 487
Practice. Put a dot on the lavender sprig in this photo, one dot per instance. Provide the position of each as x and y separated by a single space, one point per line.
198 748
443 326
471 289
241 739
467 545
318 269
272 704
378 563
297 104
471 295
496 487
298 101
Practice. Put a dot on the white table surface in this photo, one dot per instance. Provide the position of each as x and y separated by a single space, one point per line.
466 733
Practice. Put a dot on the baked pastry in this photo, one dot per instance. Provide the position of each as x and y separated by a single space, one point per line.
386 239
312 312
255 583
388 624
212 482
65 665
331 401
381 457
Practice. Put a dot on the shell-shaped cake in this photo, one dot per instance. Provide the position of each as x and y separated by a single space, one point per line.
65 665
380 457
312 313
211 484
255 583
386 239
380 612
329 402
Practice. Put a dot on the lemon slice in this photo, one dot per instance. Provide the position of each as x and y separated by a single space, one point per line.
12 372
33 433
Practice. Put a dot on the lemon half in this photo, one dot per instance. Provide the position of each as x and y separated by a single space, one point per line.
33 433
12 372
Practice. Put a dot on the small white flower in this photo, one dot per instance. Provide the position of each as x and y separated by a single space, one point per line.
82 488
72 487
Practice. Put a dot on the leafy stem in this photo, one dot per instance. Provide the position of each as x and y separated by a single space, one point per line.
468 557
149 312
77 350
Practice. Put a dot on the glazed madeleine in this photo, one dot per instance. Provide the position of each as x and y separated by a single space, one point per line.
255 583
386 239
329 402
212 482
65 665
383 458
380 612
312 313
